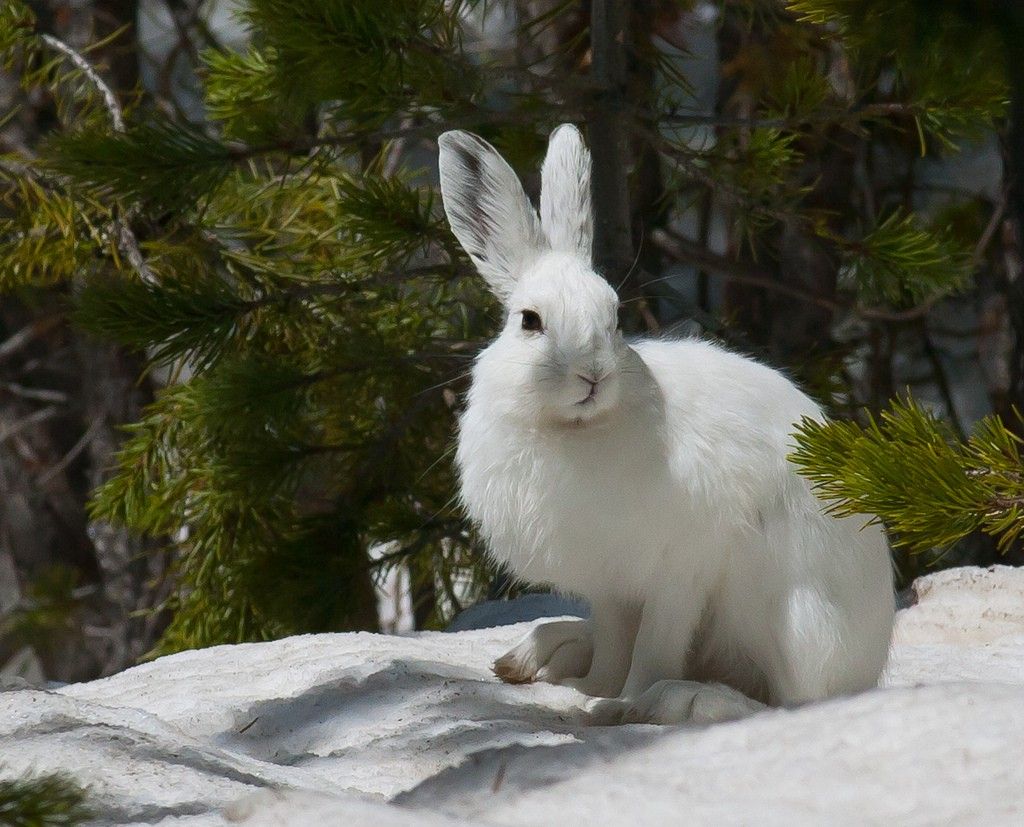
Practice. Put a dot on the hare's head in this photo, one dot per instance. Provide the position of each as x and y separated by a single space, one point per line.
560 354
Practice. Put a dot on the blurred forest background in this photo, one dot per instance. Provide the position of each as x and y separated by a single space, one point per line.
235 330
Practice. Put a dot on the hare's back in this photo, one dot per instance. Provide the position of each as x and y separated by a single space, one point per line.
704 383
729 420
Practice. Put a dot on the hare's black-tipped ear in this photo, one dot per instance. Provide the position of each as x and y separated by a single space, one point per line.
488 210
565 211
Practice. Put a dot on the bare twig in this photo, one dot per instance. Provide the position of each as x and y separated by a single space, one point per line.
34 418
990 230
16 170
393 160
74 453
38 394
182 24
682 249
853 114
86 68
941 379
647 315
27 335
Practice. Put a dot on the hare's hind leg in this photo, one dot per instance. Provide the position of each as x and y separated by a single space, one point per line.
830 622
824 651
678 702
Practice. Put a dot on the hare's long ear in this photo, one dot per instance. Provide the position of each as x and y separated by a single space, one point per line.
488 210
565 211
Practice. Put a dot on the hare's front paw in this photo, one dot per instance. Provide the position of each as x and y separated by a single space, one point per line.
552 652
676 702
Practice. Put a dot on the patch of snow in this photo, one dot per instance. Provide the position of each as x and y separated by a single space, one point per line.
394 731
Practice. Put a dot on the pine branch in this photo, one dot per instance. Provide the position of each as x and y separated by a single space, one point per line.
908 469
127 242
391 49
943 56
900 262
155 164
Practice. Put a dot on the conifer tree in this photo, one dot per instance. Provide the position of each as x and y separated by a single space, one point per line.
284 269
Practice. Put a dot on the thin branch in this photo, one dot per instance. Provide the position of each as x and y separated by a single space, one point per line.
34 418
74 453
37 394
393 160
109 99
684 250
942 381
17 170
28 334
182 26
990 230
240 152
838 115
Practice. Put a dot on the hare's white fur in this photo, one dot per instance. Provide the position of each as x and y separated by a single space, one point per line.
648 477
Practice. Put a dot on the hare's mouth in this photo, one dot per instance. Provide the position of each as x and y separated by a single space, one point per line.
594 384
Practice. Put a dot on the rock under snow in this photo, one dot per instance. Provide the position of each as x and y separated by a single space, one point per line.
354 729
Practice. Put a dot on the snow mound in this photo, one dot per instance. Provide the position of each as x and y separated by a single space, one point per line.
394 731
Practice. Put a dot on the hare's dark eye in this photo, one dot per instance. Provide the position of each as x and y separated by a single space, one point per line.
531 321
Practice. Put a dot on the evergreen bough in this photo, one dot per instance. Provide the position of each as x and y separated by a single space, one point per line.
907 467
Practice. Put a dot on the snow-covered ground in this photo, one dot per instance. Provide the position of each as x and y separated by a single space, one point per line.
360 729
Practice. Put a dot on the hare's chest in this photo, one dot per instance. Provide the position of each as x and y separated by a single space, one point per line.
590 520
573 512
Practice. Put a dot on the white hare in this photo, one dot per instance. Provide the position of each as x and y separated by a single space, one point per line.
648 477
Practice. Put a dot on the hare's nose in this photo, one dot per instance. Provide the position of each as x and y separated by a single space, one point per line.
593 378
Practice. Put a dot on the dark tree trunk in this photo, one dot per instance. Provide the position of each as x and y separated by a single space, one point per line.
608 130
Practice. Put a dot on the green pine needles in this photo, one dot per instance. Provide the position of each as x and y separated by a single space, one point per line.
902 264
907 467
42 801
